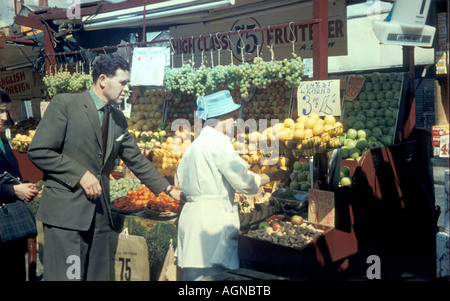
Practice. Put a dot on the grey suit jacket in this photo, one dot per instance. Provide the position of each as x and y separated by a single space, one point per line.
67 143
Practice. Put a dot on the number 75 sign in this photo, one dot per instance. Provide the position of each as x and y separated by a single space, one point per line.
321 97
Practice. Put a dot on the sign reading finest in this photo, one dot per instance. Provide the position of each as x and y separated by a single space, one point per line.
320 96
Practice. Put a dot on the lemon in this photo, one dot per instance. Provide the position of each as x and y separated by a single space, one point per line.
329 119
289 123
310 123
317 129
299 134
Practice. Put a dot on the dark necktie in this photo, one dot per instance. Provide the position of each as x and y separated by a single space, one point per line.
105 127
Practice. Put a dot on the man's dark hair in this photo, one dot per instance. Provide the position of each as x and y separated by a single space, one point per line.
108 65
4 97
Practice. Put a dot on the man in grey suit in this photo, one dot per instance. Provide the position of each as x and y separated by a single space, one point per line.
76 162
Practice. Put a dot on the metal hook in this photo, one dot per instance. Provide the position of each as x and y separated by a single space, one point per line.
218 40
104 49
231 43
293 33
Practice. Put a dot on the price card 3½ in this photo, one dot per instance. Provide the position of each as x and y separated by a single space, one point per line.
320 96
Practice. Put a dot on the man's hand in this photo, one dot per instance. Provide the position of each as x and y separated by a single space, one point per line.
25 191
91 186
178 195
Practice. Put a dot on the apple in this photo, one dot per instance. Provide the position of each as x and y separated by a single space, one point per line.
362 134
352 134
368 86
297 220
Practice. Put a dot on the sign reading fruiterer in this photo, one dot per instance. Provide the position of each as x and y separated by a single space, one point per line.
321 207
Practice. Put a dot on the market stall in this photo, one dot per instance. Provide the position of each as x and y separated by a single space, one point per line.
360 172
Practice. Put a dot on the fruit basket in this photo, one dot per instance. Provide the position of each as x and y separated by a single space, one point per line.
291 201
148 213
319 144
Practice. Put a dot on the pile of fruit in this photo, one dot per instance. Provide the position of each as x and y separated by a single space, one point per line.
146 113
168 155
66 82
300 176
188 80
22 133
119 188
184 109
370 119
294 233
344 176
305 137
269 103
152 138
143 196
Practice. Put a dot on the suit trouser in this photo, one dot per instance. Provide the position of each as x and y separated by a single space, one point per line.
78 255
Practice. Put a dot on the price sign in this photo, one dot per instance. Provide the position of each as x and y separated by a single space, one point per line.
354 86
148 66
321 207
321 97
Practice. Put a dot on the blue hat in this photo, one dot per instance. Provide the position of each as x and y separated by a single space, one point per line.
216 104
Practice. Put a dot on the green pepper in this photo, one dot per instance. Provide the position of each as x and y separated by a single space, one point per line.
264 225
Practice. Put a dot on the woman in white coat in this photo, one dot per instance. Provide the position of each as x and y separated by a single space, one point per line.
209 174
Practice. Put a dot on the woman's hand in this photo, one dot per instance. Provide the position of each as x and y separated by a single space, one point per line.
25 191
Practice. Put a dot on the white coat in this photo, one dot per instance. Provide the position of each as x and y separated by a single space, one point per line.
209 174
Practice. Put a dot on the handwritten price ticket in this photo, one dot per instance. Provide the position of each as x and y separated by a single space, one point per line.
321 97
321 207
354 86
148 66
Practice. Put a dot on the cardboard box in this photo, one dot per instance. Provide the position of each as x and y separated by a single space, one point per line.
268 257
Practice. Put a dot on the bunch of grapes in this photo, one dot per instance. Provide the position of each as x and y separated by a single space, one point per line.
198 82
65 82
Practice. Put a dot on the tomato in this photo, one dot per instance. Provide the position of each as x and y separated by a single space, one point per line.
276 226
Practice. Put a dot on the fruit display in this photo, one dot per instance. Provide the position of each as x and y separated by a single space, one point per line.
168 155
344 176
22 133
300 176
153 138
305 137
142 197
184 109
370 119
200 81
118 188
286 233
146 118
269 103
67 82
